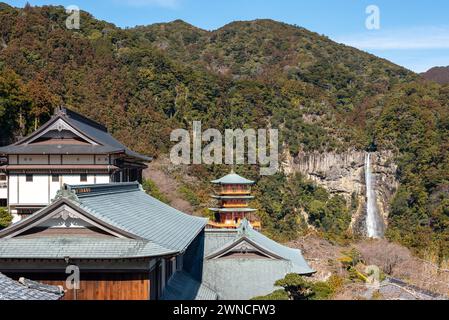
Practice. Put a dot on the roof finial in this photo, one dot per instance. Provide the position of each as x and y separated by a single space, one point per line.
244 227
59 110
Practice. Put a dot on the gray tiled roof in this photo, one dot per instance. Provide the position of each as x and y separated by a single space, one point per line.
29 290
183 287
243 278
225 238
233 178
98 133
128 207
79 248
150 227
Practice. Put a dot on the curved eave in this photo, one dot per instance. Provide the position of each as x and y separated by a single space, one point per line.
218 182
230 210
233 197
233 179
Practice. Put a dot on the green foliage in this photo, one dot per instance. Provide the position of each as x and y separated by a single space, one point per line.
350 258
297 287
190 195
150 187
5 218
415 121
276 295
282 198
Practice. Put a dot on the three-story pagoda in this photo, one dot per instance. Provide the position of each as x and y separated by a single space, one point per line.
233 194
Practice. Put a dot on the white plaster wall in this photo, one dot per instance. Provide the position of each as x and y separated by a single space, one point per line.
3 186
54 187
103 179
12 190
35 192
3 192
74 179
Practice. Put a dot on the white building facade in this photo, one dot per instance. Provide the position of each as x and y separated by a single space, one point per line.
68 149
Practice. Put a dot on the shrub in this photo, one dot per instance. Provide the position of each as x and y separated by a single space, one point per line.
150 187
5 218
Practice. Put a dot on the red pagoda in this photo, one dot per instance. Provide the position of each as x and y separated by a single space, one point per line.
233 193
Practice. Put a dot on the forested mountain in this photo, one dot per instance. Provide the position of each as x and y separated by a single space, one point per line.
145 81
437 74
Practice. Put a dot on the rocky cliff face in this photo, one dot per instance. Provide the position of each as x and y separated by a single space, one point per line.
344 174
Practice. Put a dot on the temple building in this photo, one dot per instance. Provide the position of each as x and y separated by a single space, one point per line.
130 246
233 194
68 149
242 263
126 244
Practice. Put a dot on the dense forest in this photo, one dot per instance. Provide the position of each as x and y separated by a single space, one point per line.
145 81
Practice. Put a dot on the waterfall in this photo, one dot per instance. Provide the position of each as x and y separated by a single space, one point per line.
374 223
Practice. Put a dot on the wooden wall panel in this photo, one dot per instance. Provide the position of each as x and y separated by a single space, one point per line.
104 286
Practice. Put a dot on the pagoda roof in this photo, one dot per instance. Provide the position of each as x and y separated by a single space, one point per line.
96 136
232 197
233 209
233 178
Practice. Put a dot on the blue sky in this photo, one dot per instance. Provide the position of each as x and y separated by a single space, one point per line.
413 33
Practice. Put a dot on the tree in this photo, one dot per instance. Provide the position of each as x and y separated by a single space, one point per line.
298 288
150 187
5 218
13 104
42 101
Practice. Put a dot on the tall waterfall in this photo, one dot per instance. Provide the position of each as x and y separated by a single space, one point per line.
374 223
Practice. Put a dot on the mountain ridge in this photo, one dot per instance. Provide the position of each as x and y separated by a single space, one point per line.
437 74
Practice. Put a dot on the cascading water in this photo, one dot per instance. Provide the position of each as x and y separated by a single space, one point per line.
374 223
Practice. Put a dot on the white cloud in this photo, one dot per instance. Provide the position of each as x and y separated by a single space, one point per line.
400 39
150 3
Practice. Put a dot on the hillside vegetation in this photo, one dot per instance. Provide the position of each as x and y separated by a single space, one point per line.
145 81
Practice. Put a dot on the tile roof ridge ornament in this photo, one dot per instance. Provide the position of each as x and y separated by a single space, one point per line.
91 190
245 227
66 193
60 111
